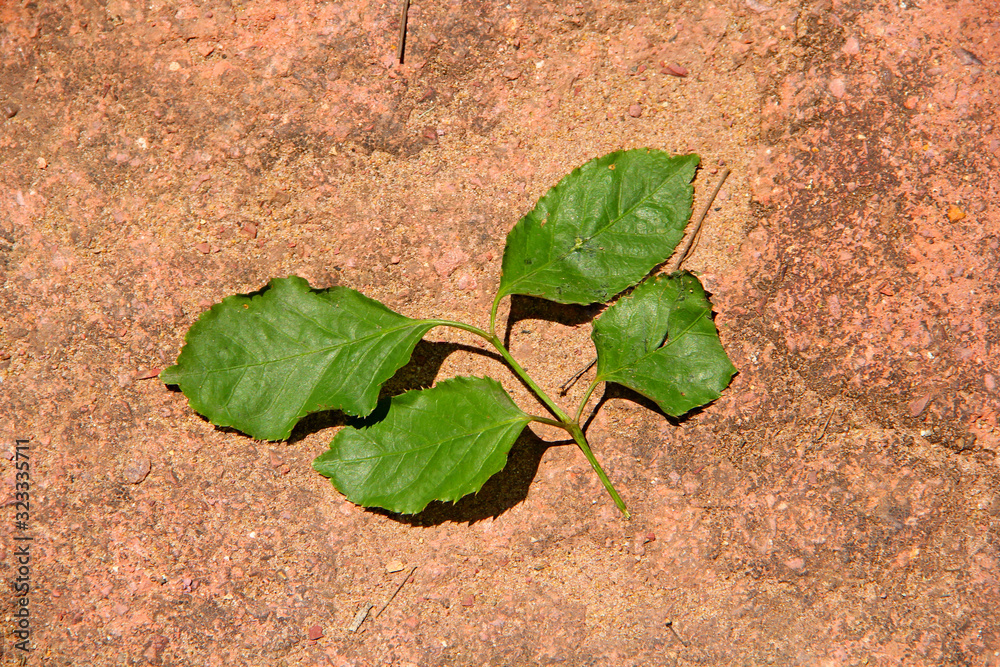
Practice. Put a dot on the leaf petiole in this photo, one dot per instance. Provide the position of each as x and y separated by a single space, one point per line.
550 422
586 397
493 313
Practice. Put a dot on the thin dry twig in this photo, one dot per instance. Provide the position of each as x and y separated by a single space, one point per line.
692 240
825 426
401 49
670 626
395 592
360 617
570 382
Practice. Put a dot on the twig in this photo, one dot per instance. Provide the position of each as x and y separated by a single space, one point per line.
360 617
692 240
670 626
681 256
825 425
402 31
393 596
570 382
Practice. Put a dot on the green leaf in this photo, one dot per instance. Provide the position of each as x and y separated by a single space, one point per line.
661 342
440 443
261 362
602 229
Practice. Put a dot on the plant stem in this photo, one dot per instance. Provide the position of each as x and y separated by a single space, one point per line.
550 422
586 397
523 374
495 341
493 314
564 422
463 326
581 441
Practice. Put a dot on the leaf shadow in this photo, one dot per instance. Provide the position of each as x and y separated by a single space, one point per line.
501 492
418 373
534 308
614 390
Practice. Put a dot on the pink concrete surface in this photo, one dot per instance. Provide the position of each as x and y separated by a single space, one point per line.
837 506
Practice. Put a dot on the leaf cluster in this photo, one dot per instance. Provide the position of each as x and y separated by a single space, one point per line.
259 363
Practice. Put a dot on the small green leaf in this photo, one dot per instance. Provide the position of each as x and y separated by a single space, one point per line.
661 342
440 443
602 229
260 363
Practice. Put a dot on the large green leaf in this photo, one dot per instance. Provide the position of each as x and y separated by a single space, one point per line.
434 444
601 229
661 342
260 363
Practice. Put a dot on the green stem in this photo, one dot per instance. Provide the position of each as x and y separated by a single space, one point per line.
493 313
523 374
564 422
550 422
495 341
586 397
581 441
463 326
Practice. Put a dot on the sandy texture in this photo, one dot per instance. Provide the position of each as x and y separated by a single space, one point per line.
838 506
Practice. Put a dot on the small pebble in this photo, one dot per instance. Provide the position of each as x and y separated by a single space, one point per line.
274 459
203 248
449 261
851 46
468 600
675 70
137 470
41 162
968 57
10 110
918 405
837 88
249 230
315 633
635 110
639 545
955 213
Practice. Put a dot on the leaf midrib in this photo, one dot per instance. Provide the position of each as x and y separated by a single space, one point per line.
380 333
440 443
